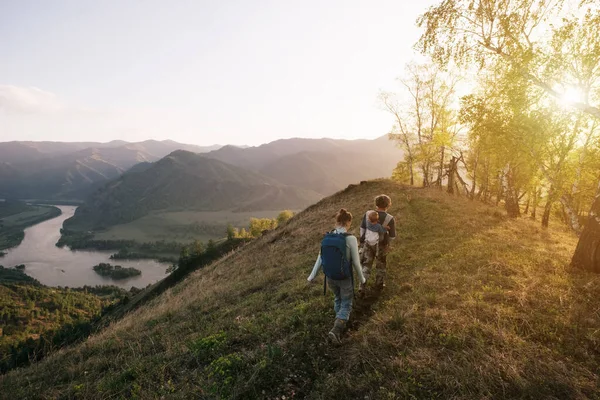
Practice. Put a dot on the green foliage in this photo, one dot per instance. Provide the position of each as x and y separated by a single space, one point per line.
284 217
231 232
208 348
222 372
197 255
401 173
36 320
116 271
16 275
426 125
259 225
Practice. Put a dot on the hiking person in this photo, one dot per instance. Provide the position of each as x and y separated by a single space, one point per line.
338 257
375 247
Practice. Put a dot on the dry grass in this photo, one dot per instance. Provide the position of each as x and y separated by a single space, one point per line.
476 306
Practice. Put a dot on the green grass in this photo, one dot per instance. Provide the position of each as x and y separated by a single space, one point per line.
476 306
181 226
16 216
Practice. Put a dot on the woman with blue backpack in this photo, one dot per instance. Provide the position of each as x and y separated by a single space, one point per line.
338 257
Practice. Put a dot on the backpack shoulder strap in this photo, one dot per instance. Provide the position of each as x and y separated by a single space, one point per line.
388 219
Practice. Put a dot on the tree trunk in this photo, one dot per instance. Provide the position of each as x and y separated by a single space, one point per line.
500 188
511 203
487 197
511 197
451 174
536 199
587 253
527 204
440 177
547 209
472 194
571 217
412 176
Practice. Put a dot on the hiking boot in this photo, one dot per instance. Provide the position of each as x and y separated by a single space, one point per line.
335 333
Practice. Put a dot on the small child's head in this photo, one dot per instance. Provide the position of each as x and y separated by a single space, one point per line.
373 217
383 202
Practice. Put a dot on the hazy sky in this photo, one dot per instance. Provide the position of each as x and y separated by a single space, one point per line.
203 72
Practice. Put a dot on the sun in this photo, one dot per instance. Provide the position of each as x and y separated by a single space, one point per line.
571 95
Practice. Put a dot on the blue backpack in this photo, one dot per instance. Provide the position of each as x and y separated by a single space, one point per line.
334 262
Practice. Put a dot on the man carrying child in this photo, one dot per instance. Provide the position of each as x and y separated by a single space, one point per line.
376 230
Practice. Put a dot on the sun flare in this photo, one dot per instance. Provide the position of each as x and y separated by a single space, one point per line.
571 95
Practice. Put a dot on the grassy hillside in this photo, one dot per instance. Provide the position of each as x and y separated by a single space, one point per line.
476 306
16 216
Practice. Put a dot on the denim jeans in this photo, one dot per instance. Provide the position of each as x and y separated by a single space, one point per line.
344 292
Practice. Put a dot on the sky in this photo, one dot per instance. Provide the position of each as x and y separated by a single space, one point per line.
201 72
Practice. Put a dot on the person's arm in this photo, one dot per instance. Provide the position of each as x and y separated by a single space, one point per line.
363 228
392 226
315 270
353 244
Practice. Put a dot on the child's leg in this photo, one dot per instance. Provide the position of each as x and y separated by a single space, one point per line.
381 264
369 253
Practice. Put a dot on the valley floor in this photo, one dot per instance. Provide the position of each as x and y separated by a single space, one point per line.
476 306
181 226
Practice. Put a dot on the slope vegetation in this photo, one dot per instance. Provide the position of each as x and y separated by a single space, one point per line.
476 306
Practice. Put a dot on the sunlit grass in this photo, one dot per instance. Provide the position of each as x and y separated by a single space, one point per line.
476 306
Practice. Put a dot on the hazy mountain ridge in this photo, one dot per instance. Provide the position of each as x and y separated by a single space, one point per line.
321 165
259 156
56 170
326 173
184 180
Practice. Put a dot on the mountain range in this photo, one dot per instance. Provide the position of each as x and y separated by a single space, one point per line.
71 171
185 181
121 181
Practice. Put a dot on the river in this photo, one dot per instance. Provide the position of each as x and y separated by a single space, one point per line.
55 266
